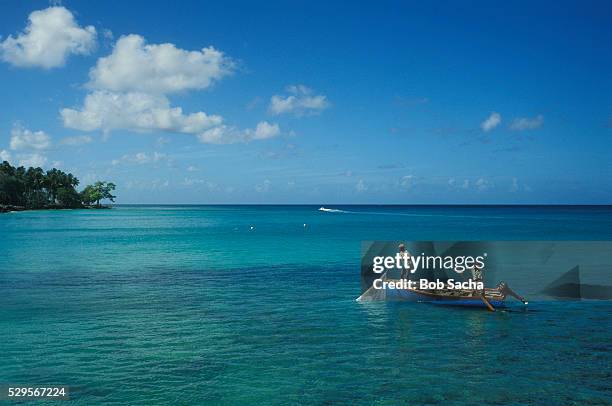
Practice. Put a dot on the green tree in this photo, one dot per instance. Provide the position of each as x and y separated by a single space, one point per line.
90 195
68 197
97 192
11 184
53 181
36 196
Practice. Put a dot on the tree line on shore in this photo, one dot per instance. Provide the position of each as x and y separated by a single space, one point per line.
34 188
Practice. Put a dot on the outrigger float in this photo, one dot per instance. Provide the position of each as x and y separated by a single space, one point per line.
489 298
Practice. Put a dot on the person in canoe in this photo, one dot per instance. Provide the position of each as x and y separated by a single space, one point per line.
478 276
405 255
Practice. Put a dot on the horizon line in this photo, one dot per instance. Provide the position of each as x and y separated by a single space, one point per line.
373 204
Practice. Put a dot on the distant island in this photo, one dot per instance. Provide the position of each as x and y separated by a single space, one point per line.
35 189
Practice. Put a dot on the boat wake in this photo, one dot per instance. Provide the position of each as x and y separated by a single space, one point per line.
379 213
331 210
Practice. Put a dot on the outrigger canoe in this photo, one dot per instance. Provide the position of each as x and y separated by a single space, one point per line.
490 298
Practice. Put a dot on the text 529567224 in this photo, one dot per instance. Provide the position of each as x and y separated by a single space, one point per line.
33 392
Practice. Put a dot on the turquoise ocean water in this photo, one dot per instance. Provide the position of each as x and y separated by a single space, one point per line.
188 304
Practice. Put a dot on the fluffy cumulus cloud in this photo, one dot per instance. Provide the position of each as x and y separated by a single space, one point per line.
157 68
30 145
129 90
228 135
300 101
24 139
263 130
491 122
526 123
104 110
49 38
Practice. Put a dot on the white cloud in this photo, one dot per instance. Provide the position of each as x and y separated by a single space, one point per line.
211 186
361 186
161 141
491 122
50 36
35 160
406 181
5 155
264 130
192 182
157 68
149 185
525 123
263 187
141 158
144 158
301 101
108 111
130 88
456 184
76 140
482 184
221 135
228 135
22 138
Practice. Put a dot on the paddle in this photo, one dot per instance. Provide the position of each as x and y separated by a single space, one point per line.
489 305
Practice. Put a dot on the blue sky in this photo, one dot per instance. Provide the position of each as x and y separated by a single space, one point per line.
311 102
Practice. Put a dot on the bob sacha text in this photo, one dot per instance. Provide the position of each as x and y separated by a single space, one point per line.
424 284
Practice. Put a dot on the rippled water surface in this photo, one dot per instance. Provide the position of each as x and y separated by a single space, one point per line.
189 305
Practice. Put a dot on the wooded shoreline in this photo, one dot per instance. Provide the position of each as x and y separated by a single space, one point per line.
35 189
8 208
